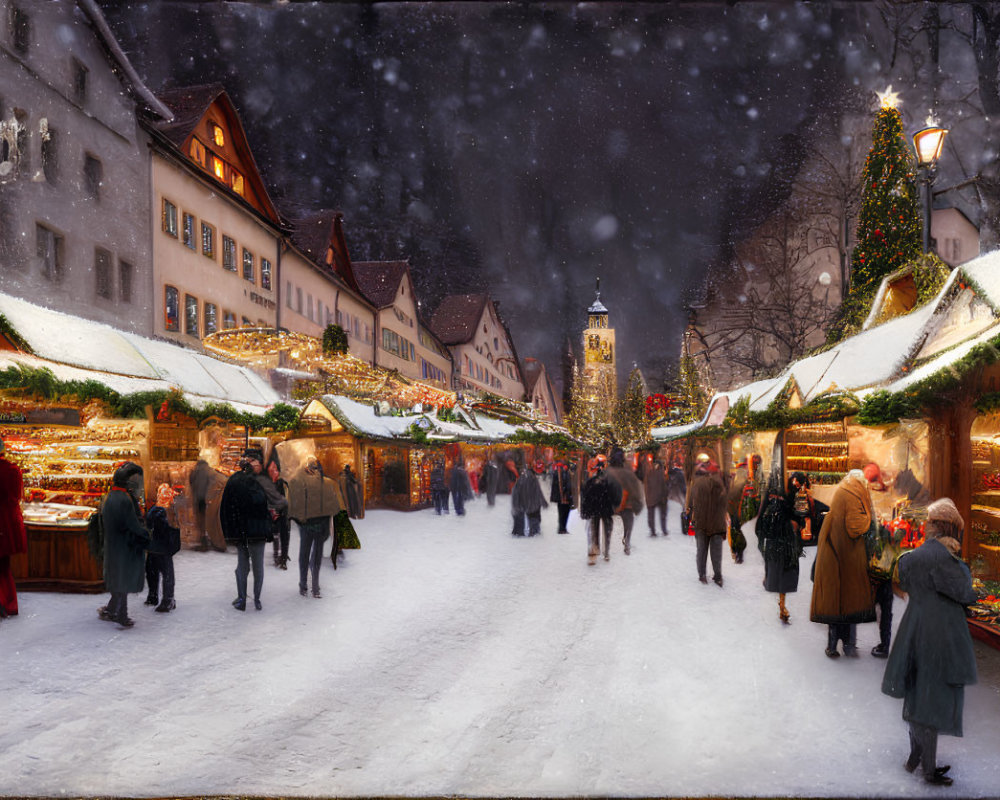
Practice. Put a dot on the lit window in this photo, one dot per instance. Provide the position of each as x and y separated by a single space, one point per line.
102 273
171 300
228 320
218 136
237 182
125 273
169 218
197 152
207 240
211 321
248 271
189 240
265 274
218 168
228 253
190 315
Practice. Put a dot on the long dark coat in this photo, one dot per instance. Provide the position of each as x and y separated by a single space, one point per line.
706 500
562 487
527 496
932 659
125 543
842 592
460 483
655 485
491 477
243 510
779 543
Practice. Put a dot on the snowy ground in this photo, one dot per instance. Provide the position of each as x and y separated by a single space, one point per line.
448 658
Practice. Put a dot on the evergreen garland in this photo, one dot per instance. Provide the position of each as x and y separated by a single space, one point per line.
13 336
334 340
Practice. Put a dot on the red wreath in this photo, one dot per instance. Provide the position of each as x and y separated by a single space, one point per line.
657 405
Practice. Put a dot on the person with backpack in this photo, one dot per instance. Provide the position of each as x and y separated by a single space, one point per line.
165 537
125 542
599 498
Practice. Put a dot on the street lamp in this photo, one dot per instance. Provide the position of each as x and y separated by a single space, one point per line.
928 144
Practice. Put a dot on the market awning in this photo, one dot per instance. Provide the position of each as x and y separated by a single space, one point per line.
78 349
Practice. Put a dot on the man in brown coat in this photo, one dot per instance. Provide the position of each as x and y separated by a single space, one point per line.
842 592
655 488
706 508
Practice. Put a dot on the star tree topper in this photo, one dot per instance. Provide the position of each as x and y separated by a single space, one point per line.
888 98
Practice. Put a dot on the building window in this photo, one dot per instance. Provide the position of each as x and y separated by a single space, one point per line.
20 29
50 156
246 323
93 177
228 320
171 302
298 299
197 152
169 218
125 275
79 82
219 168
102 273
190 315
288 294
236 181
228 253
248 265
218 136
265 274
49 247
211 321
189 239
207 240
309 306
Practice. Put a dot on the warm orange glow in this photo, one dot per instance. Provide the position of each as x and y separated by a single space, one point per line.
237 182
218 136
219 168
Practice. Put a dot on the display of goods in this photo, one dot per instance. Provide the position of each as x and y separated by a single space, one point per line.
987 606
908 533
990 481
981 450
42 513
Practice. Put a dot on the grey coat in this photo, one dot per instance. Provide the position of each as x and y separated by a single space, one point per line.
932 657
125 543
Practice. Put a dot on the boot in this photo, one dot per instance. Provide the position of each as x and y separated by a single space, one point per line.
168 604
783 614
831 644
152 599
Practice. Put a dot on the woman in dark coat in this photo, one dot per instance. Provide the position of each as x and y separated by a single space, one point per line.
125 542
932 659
779 542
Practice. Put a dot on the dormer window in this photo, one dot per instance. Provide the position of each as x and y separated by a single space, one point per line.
197 152
218 168
218 136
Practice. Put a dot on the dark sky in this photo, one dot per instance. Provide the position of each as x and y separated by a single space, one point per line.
521 148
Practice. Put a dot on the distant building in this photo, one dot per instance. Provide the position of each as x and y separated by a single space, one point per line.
600 372
74 165
481 345
955 236
539 392
217 241
402 340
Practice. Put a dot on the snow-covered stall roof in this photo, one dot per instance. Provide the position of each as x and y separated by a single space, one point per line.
127 362
984 271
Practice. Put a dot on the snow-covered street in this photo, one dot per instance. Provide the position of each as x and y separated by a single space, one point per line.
446 657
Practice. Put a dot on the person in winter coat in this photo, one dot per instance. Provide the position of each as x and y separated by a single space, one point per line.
734 497
706 508
632 497
842 593
676 487
508 474
932 660
160 521
461 487
439 489
778 541
125 542
313 499
561 493
599 498
490 479
200 481
13 535
655 490
527 500
280 529
350 490
246 523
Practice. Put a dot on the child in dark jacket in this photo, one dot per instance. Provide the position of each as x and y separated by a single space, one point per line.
160 557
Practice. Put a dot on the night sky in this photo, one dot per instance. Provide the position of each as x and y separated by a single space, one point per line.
526 149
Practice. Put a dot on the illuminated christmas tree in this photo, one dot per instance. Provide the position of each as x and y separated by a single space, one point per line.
631 424
889 224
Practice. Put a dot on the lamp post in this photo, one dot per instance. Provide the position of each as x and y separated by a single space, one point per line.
928 144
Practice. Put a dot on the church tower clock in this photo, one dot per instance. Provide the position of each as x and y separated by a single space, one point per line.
600 375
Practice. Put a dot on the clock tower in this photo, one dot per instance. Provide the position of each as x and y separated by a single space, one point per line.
600 375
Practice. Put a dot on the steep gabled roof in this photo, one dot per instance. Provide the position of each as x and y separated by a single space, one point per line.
379 280
455 320
189 105
532 370
320 237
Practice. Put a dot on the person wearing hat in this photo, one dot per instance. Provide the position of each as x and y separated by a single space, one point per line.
125 542
527 500
706 508
160 558
13 535
932 660
246 523
599 498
